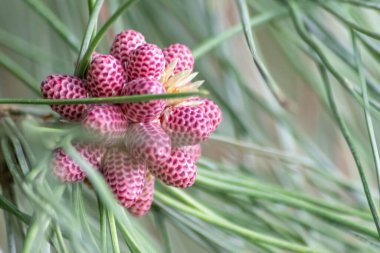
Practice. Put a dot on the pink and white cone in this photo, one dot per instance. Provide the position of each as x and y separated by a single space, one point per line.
180 53
186 123
145 61
107 122
67 170
147 143
144 202
213 111
65 87
105 76
194 151
178 170
124 43
143 111
125 177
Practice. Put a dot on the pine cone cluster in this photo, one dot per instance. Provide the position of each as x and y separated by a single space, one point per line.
134 143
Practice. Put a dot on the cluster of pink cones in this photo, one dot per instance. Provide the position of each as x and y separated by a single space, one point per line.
134 143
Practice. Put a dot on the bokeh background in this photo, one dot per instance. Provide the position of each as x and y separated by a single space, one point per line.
286 137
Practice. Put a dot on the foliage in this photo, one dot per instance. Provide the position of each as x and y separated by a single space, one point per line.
293 168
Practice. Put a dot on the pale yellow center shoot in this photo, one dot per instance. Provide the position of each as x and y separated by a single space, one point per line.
181 82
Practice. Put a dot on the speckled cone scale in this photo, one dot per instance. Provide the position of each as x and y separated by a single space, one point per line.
214 113
144 202
186 124
183 55
67 170
65 87
124 43
107 123
178 170
143 111
145 61
125 177
194 151
148 143
105 76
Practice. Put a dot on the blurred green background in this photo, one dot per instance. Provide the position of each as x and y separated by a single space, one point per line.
279 130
